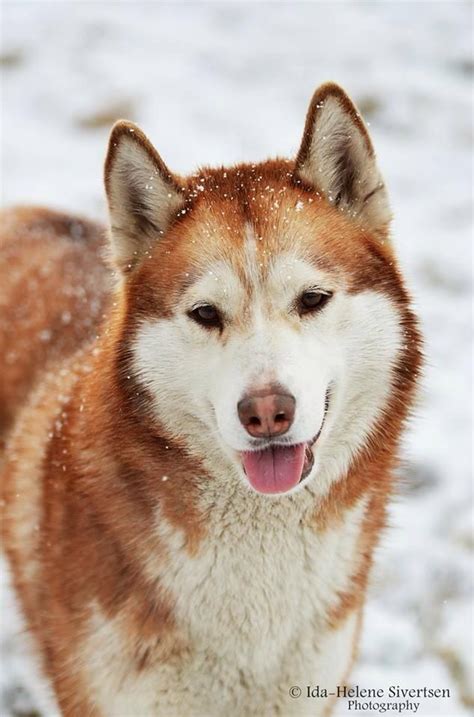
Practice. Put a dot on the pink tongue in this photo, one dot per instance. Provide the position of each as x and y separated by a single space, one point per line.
274 470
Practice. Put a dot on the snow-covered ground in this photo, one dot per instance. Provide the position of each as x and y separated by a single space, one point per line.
222 82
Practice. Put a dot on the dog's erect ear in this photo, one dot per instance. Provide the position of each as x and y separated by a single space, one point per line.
336 157
143 196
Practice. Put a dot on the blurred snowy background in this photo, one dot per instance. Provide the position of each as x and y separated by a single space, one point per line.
224 82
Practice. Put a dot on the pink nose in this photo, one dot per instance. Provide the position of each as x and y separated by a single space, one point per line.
268 412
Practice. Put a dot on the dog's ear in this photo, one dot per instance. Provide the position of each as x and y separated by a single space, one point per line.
336 157
143 196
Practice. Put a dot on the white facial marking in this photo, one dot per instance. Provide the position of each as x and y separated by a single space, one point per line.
251 256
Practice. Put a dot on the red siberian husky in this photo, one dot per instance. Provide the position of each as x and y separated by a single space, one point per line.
199 447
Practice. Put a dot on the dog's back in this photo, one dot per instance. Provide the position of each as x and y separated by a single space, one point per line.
53 285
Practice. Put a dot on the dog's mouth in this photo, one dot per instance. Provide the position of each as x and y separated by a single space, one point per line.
278 467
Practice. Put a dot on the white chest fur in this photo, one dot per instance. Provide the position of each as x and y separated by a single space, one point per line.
252 604
256 583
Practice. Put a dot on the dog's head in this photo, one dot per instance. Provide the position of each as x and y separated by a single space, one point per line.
265 318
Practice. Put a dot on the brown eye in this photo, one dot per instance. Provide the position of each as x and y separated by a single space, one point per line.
206 315
311 301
